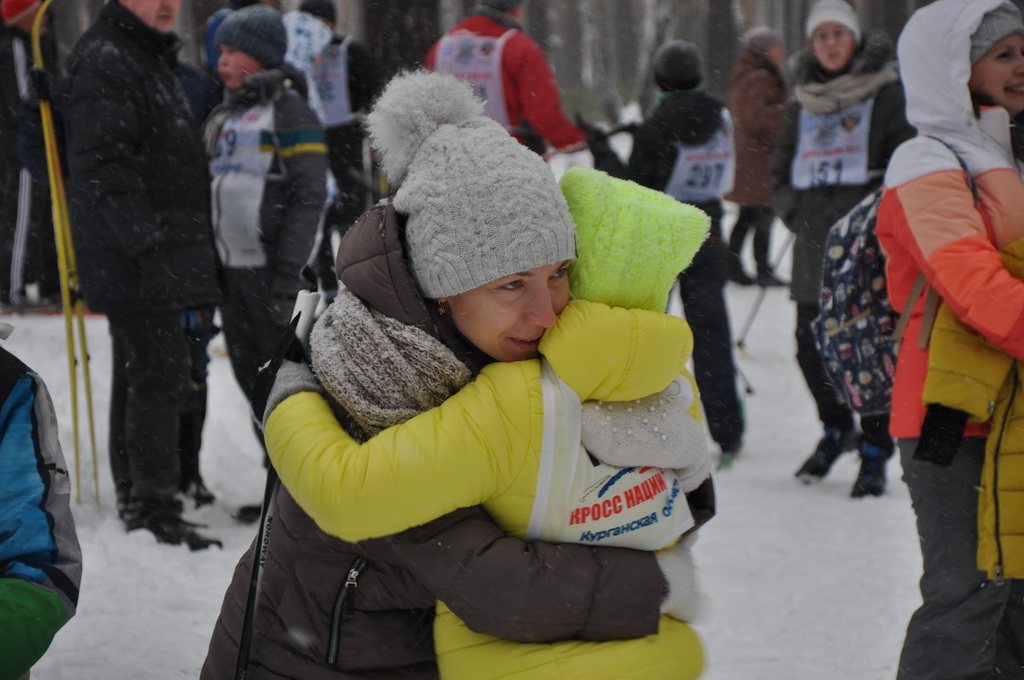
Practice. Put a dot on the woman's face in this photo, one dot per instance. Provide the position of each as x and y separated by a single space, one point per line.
997 79
506 318
833 46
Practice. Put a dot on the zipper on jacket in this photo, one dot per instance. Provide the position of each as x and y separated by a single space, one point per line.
998 568
344 603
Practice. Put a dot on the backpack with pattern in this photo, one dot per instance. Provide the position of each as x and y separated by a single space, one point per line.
856 327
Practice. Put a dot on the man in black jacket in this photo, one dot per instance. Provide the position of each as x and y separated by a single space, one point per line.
139 202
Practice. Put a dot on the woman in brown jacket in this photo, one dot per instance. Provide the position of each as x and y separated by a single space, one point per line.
759 96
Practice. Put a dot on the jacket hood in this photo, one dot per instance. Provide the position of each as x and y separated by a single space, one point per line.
934 53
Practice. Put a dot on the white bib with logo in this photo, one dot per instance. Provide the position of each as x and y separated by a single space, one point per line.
704 172
477 60
833 148
580 500
245 152
330 77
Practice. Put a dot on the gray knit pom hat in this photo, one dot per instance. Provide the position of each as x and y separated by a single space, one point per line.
258 31
994 26
480 205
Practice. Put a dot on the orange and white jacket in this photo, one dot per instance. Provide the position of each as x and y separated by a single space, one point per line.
928 220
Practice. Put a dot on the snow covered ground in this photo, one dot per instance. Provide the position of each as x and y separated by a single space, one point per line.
805 583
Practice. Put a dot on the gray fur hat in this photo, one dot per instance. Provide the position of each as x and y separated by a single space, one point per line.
257 30
994 26
480 205
678 66
502 5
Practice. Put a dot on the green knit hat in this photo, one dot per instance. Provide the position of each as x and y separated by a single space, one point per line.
631 242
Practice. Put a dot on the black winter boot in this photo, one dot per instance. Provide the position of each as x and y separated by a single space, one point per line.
165 522
830 447
871 479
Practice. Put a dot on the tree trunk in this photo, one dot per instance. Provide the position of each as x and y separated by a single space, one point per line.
400 32
721 48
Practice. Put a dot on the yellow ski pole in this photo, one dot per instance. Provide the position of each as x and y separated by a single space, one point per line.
71 301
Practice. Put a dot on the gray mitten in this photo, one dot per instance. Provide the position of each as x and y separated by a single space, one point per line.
292 377
683 599
655 431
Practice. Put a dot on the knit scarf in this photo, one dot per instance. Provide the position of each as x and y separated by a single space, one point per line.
379 371
838 93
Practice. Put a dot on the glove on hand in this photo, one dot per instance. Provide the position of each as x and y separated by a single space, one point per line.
941 434
655 431
683 600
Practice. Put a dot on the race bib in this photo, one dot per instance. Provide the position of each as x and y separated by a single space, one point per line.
833 148
705 172
477 60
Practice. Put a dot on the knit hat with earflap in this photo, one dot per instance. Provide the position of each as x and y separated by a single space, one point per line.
16 10
836 11
995 25
678 66
480 205
257 30
632 241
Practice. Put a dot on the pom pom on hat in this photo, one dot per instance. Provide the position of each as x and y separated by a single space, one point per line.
836 11
632 241
994 26
16 10
480 205
678 66
257 30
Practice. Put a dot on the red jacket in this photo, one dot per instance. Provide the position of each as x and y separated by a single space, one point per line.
530 89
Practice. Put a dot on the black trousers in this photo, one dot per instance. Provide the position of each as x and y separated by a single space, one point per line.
833 411
251 330
760 219
701 287
199 330
150 383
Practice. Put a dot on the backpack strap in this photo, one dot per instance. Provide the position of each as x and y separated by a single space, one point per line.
932 299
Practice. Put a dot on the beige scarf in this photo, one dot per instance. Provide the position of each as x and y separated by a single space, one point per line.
380 371
838 93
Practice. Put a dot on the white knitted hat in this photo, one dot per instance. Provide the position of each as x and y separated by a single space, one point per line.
833 10
480 205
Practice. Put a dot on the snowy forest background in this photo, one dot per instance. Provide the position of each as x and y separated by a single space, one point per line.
600 49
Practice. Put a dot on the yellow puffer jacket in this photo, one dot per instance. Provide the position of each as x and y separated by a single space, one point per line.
483 447
968 373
